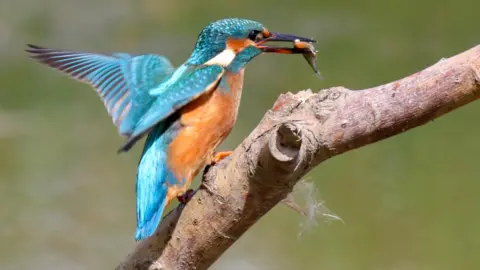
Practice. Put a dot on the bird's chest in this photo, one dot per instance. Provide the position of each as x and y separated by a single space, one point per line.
206 122
215 113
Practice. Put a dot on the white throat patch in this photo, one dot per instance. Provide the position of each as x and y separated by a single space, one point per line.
223 59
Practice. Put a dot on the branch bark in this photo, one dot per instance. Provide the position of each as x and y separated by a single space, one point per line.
298 133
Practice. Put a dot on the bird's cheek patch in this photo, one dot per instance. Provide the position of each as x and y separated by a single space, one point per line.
223 59
237 45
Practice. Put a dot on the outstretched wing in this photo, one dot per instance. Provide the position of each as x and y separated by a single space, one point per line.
121 80
186 84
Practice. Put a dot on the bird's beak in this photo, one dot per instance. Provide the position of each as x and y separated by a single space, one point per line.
277 37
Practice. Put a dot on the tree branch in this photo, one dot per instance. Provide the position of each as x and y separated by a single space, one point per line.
297 134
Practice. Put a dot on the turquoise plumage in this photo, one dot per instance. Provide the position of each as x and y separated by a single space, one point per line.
153 178
186 112
185 85
122 81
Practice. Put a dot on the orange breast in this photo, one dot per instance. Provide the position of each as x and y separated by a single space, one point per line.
206 122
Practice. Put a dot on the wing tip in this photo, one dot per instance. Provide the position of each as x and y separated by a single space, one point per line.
33 46
34 49
127 145
37 52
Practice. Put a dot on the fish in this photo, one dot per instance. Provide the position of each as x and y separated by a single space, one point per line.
310 54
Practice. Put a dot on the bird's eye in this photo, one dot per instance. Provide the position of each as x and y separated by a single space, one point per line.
255 35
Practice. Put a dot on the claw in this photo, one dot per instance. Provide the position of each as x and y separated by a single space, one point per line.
185 197
218 156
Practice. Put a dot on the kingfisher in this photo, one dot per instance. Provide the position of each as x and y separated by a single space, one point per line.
185 112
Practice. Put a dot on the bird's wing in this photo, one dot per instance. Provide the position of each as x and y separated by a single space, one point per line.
185 85
121 80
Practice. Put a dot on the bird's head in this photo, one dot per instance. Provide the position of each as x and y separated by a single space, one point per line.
232 43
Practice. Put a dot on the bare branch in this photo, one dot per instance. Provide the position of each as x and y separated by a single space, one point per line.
298 133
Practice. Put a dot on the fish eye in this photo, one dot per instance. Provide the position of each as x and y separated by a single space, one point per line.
255 35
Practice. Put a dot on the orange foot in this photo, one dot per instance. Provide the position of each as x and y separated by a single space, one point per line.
217 157
185 197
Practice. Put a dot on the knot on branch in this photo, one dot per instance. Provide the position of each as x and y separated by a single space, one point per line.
299 132
285 143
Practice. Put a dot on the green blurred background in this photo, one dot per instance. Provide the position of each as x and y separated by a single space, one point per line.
68 200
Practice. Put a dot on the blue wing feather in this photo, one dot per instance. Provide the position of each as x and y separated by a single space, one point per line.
137 91
154 177
121 80
184 85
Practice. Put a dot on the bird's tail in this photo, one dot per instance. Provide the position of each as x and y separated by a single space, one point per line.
152 178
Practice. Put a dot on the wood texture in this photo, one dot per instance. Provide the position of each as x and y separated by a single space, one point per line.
297 134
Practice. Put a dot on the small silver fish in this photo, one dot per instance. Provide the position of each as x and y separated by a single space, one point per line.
310 54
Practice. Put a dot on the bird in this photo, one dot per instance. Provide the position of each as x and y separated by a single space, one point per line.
185 112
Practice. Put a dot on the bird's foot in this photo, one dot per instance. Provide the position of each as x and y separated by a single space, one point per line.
187 196
218 156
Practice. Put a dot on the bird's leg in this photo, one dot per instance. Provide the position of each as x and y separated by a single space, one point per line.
218 156
187 196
